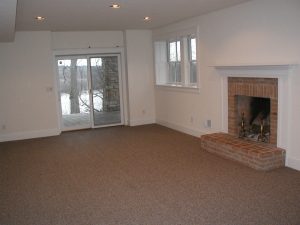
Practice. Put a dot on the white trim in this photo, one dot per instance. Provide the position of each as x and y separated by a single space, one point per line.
224 100
279 71
138 122
96 51
283 111
255 65
184 129
262 70
57 94
179 88
293 163
88 51
29 135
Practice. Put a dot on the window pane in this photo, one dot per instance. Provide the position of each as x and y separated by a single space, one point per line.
193 60
178 72
193 49
193 72
172 53
174 72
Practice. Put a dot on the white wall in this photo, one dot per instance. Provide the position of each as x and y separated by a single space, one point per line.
94 42
140 76
27 98
28 103
87 39
256 32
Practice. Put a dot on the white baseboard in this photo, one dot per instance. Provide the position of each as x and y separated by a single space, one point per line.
293 163
29 135
139 122
183 129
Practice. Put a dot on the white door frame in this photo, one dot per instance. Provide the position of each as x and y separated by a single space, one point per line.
123 83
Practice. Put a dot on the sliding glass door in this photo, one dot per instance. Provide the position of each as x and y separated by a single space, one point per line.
106 90
74 92
90 93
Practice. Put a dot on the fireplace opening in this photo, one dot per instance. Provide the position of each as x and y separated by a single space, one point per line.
253 116
265 89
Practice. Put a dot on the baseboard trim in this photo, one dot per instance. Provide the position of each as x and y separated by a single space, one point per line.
139 122
29 135
183 129
293 163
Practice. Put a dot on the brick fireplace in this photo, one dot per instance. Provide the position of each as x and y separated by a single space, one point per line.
239 82
252 87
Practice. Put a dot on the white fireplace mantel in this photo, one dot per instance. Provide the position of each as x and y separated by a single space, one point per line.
279 71
251 70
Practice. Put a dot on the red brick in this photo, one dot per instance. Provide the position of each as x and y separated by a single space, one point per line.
259 156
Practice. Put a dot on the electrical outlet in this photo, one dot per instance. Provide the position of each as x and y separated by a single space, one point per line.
49 89
3 127
207 124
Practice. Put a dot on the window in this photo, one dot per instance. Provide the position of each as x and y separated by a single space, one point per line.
192 60
176 62
174 76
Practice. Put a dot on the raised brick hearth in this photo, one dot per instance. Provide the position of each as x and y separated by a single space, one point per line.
260 156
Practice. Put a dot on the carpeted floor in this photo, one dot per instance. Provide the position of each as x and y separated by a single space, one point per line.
147 175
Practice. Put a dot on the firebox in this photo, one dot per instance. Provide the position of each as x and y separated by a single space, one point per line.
253 103
254 116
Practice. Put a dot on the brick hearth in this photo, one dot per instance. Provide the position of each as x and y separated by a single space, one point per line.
260 156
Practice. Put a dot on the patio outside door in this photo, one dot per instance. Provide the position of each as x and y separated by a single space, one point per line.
90 93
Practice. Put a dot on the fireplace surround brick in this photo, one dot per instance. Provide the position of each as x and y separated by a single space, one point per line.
254 87
257 155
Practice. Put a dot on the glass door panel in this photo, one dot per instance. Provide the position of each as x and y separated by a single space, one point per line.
105 78
74 92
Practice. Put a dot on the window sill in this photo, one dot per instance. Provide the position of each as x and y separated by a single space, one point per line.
177 88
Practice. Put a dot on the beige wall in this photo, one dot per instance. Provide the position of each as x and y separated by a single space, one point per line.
87 39
28 106
256 32
140 77
27 97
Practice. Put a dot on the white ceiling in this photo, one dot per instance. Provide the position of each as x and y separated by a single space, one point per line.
77 15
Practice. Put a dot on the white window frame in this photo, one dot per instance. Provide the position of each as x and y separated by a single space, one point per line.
162 68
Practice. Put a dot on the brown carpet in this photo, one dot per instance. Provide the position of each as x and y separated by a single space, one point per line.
148 175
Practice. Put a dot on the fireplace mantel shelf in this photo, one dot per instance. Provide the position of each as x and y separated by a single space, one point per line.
255 66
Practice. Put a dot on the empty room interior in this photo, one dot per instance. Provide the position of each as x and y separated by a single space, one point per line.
149 112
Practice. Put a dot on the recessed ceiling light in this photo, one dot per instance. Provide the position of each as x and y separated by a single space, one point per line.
147 18
40 18
115 6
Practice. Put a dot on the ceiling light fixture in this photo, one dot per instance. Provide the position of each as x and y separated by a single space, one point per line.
115 6
147 18
40 18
